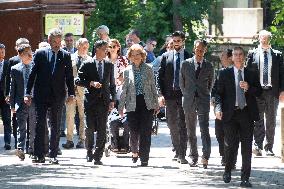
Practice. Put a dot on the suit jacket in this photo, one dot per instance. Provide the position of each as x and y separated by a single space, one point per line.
226 93
166 75
50 86
189 85
75 49
277 70
128 95
88 72
17 90
12 61
3 84
79 91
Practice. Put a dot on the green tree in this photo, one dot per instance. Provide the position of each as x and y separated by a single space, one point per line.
278 23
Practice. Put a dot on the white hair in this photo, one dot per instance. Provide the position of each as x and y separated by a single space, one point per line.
264 33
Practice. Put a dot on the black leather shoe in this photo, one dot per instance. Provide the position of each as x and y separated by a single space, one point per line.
53 161
182 160
80 144
7 147
175 158
245 184
62 134
227 177
98 162
90 156
144 164
59 152
223 161
68 145
38 160
134 159
193 163
269 153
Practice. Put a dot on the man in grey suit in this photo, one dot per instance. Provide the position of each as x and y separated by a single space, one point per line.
19 79
196 82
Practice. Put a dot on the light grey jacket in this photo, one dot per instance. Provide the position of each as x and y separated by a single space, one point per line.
128 95
202 85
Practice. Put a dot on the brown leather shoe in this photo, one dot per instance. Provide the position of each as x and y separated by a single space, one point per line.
204 163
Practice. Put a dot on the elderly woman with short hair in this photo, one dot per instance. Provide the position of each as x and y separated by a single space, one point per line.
140 99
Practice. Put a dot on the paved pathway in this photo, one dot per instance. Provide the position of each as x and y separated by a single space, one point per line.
119 172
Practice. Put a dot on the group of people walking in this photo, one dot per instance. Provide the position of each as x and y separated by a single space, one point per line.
39 85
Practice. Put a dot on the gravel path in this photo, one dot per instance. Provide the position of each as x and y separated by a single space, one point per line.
119 172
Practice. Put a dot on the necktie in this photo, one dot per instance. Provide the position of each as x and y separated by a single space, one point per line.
265 69
100 70
197 70
176 81
79 62
240 92
27 74
52 61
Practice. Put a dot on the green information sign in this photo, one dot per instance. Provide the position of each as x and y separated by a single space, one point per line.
73 23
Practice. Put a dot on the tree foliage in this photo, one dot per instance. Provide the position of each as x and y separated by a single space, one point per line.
153 18
278 23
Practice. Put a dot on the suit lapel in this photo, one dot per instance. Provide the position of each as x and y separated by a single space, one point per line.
232 81
105 70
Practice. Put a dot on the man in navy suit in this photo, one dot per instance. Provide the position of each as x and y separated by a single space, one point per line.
51 73
19 79
97 76
236 106
4 106
169 86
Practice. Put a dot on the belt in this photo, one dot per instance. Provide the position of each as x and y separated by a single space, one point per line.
237 108
266 87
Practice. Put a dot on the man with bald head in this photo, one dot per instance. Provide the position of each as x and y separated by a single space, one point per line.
268 63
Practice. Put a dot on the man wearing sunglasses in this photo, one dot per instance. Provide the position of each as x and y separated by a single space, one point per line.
151 44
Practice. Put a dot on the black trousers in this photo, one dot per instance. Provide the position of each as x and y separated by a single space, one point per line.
241 124
55 108
140 125
6 118
220 136
96 111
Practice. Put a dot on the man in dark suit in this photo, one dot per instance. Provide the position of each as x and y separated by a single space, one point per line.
52 71
13 61
168 81
236 107
268 63
196 82
97 76
4 106
19 79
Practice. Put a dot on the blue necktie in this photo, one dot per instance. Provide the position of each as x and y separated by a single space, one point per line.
27 74
52 61
240 92
265 69
176 81
100 70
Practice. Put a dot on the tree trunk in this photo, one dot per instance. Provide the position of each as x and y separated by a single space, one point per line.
176 16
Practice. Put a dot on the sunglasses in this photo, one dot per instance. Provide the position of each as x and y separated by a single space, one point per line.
112 47
154 45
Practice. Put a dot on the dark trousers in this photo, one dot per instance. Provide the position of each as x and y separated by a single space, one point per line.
220 136
140 125
267 104
240 124
114 128
6 118
176 124
55 120
96 111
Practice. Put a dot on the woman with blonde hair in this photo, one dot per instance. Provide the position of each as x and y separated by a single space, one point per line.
140 99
